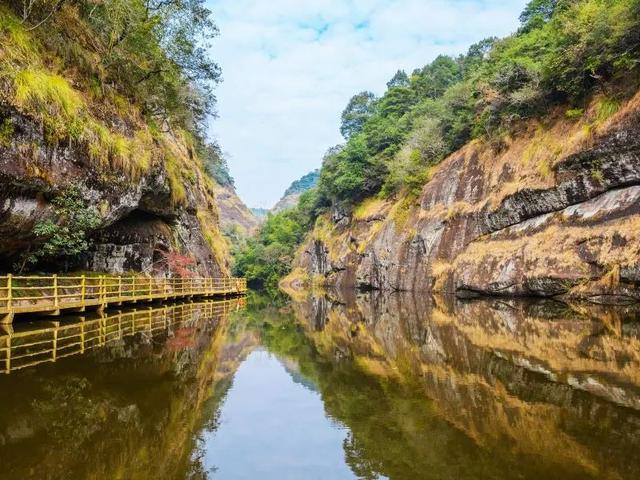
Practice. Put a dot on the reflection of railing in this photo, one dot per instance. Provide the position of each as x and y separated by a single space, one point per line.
55 293
49 341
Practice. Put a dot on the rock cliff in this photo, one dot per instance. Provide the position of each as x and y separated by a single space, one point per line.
234 214
64 128
551 211
140 217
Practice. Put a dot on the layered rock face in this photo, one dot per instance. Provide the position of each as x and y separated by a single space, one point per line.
234 213
287 201
140 220
553 211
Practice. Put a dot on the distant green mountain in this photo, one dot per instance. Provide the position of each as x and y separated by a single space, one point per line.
297 188
303 184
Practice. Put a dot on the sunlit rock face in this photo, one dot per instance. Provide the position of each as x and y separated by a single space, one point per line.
554 211
537 375
138 217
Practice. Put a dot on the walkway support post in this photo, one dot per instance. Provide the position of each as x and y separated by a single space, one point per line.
101 301
55 291
7 319
9 292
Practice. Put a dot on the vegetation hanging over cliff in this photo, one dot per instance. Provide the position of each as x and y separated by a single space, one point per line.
564 53
128 83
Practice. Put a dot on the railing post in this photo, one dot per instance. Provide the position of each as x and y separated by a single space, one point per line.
83 288
55 344
149 287
82 336
55 291
7 362
120 286
9 293
133 287
101 292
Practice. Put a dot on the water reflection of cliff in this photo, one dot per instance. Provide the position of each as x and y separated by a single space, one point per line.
125 409
543 388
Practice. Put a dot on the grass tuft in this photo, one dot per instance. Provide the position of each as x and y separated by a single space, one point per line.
605 108
46 93
178 192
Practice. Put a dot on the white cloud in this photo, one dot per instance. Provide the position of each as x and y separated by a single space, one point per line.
290 67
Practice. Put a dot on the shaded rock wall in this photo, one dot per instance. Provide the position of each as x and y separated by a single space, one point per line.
139 219
552 211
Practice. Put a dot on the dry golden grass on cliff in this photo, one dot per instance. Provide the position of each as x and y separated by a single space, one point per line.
440 270
336 240
217 243
529 158
31 82
556 249
371 208
75 109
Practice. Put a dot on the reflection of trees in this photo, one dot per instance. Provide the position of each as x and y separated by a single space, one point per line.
356 457
126 411
387 418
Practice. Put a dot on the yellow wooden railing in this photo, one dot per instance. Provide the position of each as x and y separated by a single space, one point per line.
47 341
19 294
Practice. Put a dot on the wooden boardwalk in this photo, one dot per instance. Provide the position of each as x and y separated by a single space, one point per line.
29 344
53 294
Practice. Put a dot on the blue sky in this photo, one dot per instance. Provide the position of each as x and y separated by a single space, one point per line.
290 67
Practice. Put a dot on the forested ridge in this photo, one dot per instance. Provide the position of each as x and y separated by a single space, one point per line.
564 54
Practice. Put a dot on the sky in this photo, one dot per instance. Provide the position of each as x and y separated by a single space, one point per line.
290 66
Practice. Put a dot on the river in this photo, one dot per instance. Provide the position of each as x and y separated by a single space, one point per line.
327 386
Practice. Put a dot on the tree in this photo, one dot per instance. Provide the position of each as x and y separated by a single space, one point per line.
400 79
176 263
536 14
359 109
435 78
477 53
67 236
155 52
216 165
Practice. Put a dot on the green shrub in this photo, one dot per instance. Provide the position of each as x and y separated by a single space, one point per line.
66 236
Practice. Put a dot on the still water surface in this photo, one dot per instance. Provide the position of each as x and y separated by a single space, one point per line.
339 386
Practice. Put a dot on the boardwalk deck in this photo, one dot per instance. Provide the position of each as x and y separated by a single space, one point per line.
53 294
